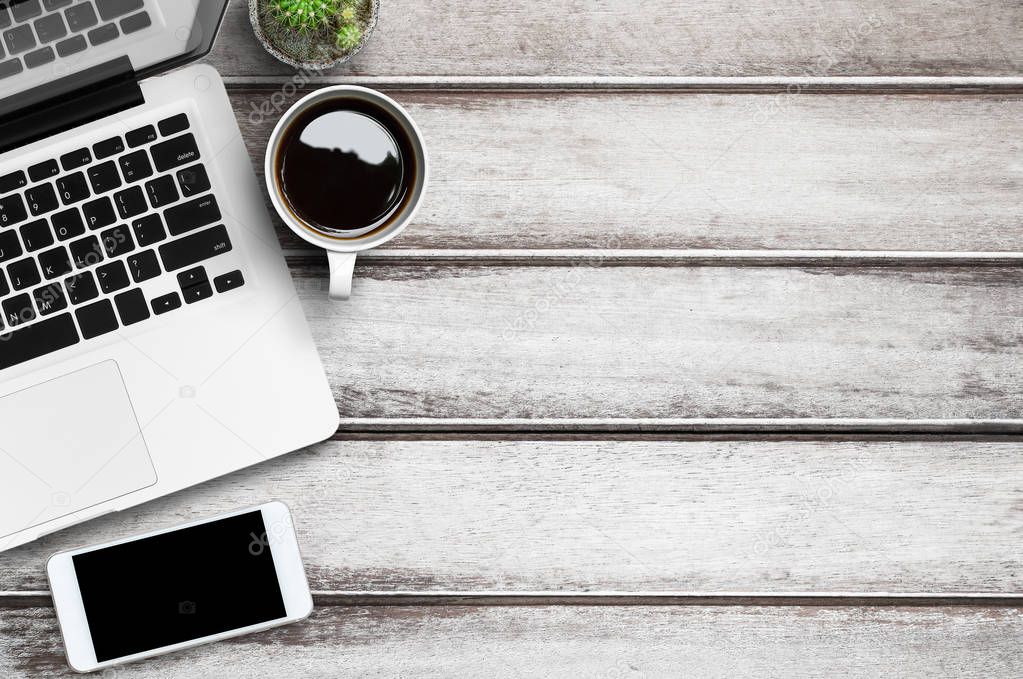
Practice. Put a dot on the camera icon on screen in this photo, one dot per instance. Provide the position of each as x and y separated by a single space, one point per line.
186 608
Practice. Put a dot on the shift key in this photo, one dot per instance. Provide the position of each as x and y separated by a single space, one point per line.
195 248
191 215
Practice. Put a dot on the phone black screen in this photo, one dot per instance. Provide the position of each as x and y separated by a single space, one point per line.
179 586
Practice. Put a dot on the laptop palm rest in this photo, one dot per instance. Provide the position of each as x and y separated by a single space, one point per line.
67 445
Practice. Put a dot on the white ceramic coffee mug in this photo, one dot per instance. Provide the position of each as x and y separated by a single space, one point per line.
342 250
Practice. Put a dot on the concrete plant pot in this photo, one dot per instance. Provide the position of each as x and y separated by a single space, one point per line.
308 51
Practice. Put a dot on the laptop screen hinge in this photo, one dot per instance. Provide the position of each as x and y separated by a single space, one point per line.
64 105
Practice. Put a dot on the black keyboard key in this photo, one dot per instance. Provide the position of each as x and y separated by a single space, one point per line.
136 23
12 182
229 281
75 159
18 310
50 5
107 148
104 177
23 10
86 252
187 279
141 136
132 307
165 303
117 241
162 191
19 39
149 230
39 57
130 202
23 274
195 248
9 68
10 247
42 199
72 45
175 152
51 27
5 16
192 215
5 289
173 125
135 167
35 341
197 293
73 188
68 224
103 34
112 277
81 288
12 210
55 263
50 299
111 9
80 17
45 170
143 266
37 235
96 319
193 181
99 213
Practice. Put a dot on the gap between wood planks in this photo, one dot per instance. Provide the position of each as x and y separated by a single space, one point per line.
680 258
726 84
42 599
751 427
680 437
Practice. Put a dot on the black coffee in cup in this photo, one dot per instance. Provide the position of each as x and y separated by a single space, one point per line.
345 167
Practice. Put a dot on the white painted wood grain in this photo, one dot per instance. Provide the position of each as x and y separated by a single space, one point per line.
483 343
614 172
665 38
622 516
603 642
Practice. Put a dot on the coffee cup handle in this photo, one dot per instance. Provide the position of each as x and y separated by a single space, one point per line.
342 269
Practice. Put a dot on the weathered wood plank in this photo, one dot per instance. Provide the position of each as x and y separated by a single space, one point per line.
468 342
625 516
631 642
703 38
673 170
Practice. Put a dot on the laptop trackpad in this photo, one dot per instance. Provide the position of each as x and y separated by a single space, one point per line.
67 445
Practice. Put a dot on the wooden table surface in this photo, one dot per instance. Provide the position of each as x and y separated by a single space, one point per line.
703 357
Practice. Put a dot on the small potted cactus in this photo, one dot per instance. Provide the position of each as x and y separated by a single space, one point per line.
313 34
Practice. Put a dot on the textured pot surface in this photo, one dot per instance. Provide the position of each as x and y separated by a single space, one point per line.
328 56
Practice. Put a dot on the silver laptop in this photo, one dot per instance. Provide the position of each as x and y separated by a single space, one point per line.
151 336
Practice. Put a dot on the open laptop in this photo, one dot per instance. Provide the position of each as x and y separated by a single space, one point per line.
151 335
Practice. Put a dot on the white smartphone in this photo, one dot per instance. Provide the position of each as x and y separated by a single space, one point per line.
180 587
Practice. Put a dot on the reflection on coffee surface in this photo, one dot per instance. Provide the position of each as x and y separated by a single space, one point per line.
345 165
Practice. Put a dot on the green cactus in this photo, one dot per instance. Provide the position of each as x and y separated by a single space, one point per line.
348 36
305 15
306 27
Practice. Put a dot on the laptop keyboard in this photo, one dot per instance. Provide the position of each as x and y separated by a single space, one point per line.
37 32
81 233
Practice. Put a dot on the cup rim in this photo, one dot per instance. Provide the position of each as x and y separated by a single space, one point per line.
382 234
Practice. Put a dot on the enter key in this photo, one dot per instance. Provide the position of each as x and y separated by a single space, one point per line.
192 215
